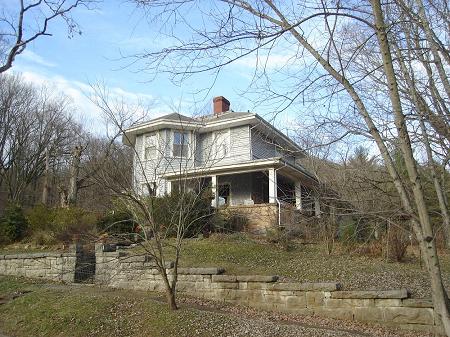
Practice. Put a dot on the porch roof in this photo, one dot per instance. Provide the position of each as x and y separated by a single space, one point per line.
294 171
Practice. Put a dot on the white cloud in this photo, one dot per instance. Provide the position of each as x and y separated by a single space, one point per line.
88 113
32 57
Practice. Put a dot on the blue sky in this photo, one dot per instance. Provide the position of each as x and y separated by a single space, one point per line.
117 28
113 29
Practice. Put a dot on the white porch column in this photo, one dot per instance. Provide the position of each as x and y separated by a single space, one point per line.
169 187
215 191
272 185
298 195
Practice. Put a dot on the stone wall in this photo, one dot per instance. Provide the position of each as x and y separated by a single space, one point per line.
258 218
391 308
50 266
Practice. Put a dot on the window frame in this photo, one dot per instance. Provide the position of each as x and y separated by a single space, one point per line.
185 140
155 146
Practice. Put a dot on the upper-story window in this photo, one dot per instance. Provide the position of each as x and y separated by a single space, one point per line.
180 144
222 143
150 146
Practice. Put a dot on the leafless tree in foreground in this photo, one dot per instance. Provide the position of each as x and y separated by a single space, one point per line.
163 221
28 21
378 106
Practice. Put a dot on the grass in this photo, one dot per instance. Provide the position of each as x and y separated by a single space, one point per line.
19 248
59 310
240 254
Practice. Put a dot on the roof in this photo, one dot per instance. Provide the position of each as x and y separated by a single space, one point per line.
246 166
224 116
175 117
207 124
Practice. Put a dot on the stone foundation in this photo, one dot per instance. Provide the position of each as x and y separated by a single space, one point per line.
259 218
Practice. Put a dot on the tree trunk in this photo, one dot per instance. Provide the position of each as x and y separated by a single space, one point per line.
74 173
170 297
421 221
46 187
170 290
63 197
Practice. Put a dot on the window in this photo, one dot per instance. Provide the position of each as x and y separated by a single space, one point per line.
150 146
180 144
222 143
148 189
224 193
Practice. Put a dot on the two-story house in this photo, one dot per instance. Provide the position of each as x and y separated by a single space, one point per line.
250 165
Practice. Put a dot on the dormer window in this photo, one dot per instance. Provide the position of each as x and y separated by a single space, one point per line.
180 144
150 146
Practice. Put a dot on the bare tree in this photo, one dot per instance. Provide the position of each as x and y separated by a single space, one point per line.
163 217
28 21
368 103
34 125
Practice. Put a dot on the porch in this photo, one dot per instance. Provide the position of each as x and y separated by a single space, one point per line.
266 197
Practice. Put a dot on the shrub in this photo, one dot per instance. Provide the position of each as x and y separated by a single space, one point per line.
116 222
228 223
398 242
348 231
70 222
373 248
13 224
190 210
40 218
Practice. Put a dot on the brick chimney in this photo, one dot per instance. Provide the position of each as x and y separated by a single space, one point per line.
221 104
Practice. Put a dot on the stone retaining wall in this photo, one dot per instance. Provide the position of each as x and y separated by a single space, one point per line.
392 307
121 270
50 266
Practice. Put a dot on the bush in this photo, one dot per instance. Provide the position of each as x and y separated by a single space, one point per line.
117 222
70 222
228 223
398 242
13 224
373 248
40 218
348 231
190 210
280 237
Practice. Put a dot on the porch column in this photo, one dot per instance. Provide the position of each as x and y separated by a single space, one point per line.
169 187
298 195
272 185
215 191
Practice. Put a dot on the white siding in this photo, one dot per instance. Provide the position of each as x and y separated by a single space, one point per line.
151 170
239 148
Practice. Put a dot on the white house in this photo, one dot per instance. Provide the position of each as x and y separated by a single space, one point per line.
246 161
